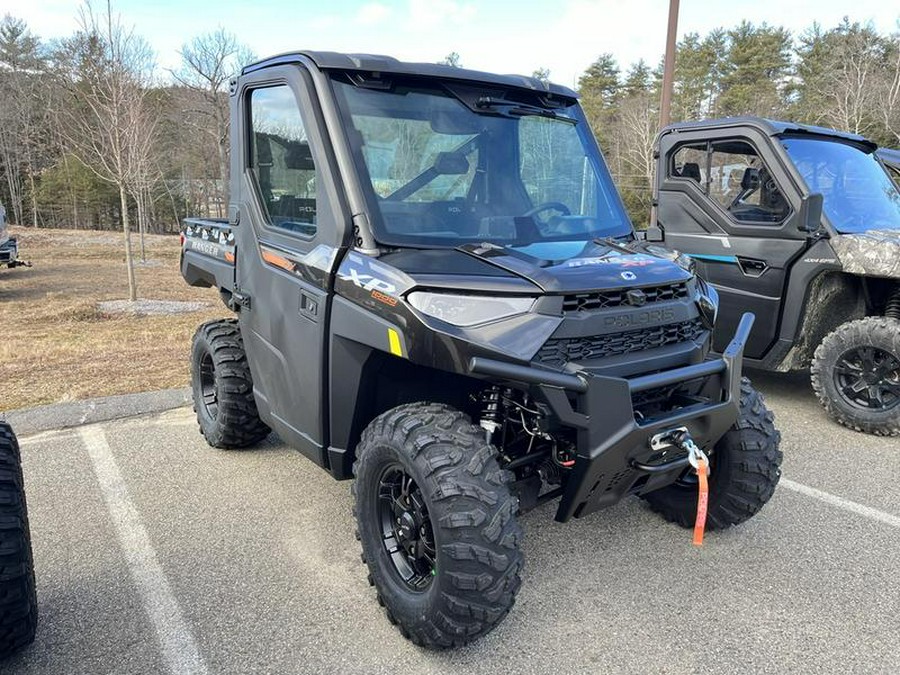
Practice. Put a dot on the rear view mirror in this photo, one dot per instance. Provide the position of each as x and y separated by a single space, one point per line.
810 216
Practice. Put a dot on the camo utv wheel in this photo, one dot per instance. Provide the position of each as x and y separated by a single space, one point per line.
745 466
437 525
856 375
223 387
18 600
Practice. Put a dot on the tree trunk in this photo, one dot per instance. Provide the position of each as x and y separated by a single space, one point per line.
126 230
139 200
34 211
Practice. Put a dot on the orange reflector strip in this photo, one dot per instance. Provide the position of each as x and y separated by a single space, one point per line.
277 260
229 256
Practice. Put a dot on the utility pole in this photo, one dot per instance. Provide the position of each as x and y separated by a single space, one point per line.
665 107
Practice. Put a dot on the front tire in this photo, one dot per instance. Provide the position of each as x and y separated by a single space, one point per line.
18 599
437 524
745 466
856 375
223 387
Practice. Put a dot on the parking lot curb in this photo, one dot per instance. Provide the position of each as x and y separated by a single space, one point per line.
76 413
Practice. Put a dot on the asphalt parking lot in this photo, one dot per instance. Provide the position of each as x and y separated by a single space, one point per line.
155 553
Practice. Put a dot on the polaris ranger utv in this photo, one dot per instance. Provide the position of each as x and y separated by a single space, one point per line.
801 226
438 293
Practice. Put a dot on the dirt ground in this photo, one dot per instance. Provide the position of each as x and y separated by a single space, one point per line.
56 344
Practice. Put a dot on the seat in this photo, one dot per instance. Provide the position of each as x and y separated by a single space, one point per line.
691 170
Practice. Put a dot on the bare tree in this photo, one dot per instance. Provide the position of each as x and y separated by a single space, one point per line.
888 89
840 68
21 122
107 112
144 168
208 62
637 127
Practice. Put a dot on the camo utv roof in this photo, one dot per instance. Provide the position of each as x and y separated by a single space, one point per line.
770 128
889 156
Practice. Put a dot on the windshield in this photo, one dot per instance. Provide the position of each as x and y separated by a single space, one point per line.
858 193
442 172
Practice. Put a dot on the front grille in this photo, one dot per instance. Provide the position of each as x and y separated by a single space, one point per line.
588 302
558 351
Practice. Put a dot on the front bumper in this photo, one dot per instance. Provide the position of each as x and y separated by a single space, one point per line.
613 455
9 251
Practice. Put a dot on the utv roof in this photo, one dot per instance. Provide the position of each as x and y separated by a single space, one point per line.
388 64
889 156
770 128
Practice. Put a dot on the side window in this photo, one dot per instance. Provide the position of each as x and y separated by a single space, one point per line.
281 160
742 185
689 161
732 174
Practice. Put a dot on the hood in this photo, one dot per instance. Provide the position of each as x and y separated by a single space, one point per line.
568 266
874 253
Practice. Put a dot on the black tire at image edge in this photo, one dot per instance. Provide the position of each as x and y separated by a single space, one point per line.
18 598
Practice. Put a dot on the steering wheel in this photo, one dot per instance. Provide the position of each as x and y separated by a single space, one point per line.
548 206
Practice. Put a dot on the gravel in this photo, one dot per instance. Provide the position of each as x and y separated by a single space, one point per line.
150 307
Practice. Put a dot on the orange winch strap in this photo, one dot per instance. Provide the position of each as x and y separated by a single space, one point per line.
702 503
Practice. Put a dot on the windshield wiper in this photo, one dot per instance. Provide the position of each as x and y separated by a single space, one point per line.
516 109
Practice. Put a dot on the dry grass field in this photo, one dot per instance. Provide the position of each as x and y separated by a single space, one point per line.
56 344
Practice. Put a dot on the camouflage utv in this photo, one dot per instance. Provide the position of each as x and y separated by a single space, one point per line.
801 226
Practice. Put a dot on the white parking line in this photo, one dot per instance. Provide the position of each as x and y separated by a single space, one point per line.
841 503
179 649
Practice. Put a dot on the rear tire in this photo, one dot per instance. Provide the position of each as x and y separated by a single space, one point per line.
745 466
468 522
834 377
223 387
18 599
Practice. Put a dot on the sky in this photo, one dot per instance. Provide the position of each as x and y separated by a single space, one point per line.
507 36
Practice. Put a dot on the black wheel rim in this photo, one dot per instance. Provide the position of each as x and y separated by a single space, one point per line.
868 378
406 531
208 395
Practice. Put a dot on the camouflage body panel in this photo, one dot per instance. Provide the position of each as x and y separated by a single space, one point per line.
875 253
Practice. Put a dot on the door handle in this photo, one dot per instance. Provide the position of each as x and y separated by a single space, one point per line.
752 267
309 306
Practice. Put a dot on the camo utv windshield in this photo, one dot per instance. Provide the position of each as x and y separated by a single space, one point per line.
858 193
444 168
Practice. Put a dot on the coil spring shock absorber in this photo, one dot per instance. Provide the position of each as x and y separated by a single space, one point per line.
490 414
892 310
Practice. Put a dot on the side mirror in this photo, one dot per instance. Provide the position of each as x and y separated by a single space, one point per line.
810 215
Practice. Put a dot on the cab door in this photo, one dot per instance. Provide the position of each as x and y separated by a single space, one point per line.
729 203
291 227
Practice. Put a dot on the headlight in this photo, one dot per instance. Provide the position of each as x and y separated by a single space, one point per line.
708 301
468 310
